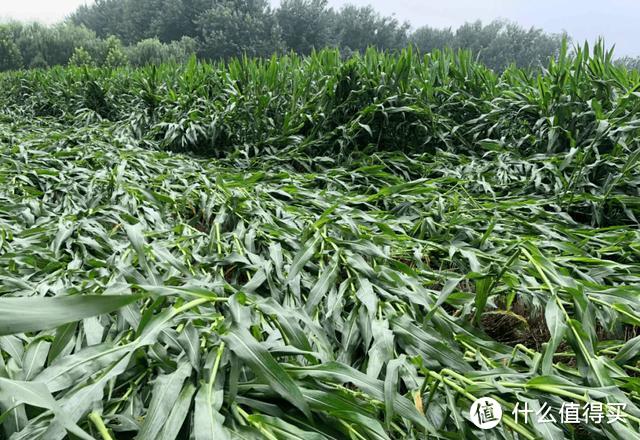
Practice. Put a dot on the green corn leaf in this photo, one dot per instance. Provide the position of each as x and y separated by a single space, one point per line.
21 315
263 364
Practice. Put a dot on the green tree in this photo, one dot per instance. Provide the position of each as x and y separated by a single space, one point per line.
497 44
10 57
145 52
42 46
38 62
136 20
104 17
81 58
306 24
234 28
182 50
426 39
60 41
115 54
153 51
31 40
631 63
520 46
360 27
175 19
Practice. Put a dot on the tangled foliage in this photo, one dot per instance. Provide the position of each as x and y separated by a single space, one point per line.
371 245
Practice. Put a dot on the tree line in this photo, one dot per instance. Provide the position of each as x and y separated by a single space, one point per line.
140 32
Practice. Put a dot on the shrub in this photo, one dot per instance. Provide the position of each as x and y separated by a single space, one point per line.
81 58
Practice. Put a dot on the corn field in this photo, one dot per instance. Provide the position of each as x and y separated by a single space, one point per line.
318 248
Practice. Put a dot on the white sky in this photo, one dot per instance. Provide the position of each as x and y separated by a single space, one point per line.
617 20
46 11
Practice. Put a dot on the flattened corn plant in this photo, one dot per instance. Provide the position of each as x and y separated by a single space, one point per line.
369 246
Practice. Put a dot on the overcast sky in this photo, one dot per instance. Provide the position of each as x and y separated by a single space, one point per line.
617 20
